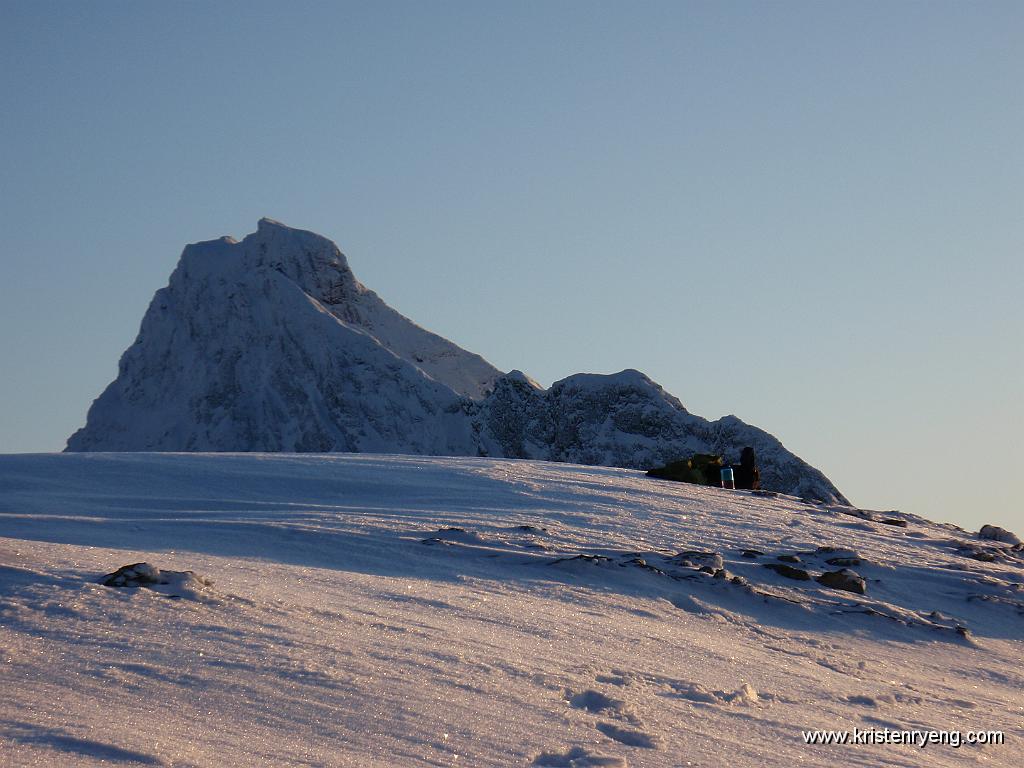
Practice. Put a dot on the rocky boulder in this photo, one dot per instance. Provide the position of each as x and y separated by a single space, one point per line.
995 533
844 579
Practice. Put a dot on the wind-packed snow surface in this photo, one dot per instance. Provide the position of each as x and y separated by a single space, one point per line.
271 344
366 610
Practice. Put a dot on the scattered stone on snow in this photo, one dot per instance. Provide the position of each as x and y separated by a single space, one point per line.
639 562
838 556
845 579
973 551
454 535
175 584
844 561
134 575
789 571
592 559
862 514
531 529
700 560
788 558
752 553
995 533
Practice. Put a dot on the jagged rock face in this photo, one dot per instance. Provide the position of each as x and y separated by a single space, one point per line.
271 344
627 420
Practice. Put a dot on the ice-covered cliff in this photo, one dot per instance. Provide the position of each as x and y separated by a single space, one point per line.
271 344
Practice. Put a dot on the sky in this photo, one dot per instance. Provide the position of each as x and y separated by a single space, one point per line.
806 214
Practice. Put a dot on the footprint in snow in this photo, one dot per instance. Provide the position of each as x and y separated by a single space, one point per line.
578 757
629 736
745 695
617 677
595 702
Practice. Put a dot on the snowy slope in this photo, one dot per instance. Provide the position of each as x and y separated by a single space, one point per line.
271 344
409 611
316 265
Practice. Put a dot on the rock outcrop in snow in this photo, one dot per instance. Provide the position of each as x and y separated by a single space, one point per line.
627 420
271 344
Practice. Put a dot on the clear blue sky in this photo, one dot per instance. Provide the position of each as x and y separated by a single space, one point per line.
809 214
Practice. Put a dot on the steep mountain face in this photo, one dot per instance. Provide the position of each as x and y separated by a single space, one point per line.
627 420
271 344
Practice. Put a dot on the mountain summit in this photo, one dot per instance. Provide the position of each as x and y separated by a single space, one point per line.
272 344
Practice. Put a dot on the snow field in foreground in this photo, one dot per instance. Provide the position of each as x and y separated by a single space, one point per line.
411 611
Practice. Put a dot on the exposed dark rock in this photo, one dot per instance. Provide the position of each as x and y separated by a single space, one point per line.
700 560
788 558
896 521
752 553
789 571
639 562
592 559
995 533
700 469
172 584
981 554
844 561
845 579
134 575
862 514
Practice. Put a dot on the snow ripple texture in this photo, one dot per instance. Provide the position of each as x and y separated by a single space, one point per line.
368 611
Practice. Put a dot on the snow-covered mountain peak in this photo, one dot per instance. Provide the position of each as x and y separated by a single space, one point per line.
518 377
627 381
272 344
627 378
312 261
266 224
